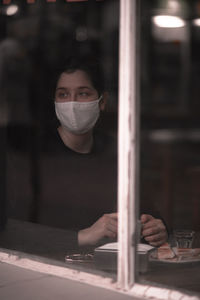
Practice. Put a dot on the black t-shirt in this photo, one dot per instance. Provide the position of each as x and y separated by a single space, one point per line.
66 189
76 189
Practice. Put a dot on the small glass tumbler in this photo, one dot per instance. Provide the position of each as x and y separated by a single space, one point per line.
184 238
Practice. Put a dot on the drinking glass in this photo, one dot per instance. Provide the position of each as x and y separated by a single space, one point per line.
183 238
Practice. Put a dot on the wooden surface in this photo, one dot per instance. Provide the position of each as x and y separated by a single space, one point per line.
55 244
46 244
185 277
37 239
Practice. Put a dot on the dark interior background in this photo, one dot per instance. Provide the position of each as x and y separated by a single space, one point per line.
170 110
34 40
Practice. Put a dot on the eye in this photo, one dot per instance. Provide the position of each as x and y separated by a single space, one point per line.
62 94
84 94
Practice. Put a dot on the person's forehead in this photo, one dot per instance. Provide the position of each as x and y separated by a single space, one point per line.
74 79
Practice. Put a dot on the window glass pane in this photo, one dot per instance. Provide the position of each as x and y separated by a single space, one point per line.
170 136
59 182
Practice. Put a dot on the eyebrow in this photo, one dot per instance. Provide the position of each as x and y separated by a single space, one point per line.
80 87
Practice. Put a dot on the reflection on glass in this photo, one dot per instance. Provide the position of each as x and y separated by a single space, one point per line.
168 21
60 116
170 141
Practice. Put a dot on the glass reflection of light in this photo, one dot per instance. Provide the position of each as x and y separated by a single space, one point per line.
173 4
12 10
196 22
168 21
81 34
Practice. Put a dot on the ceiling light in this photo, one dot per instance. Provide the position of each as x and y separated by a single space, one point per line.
196 22
12 10
168 21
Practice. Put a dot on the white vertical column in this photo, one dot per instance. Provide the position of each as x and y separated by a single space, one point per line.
127 143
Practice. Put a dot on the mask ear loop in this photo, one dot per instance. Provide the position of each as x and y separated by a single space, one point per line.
100 98
101 102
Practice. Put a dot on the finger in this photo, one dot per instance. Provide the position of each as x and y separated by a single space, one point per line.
145 218
161 235
105 223
156 225
110 233
112 227
108 223
107 218
150 231
113 215
154 238
113 222
157 238
157 244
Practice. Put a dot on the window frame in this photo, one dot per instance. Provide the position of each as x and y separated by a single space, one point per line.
128 171
128 143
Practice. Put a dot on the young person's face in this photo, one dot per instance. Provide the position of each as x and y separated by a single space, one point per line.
75 86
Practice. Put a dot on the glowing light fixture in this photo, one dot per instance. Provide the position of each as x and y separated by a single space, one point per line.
168 21
12 10
196 22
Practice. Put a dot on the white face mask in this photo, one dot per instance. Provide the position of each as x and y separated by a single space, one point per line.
78 117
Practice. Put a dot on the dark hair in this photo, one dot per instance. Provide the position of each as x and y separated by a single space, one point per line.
90 65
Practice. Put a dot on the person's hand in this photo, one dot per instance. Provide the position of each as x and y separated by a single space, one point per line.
104 227
153 230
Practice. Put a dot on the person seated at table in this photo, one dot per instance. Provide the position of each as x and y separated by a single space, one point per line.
78 161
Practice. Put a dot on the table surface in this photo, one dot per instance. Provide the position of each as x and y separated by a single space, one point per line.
179 276
54 244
